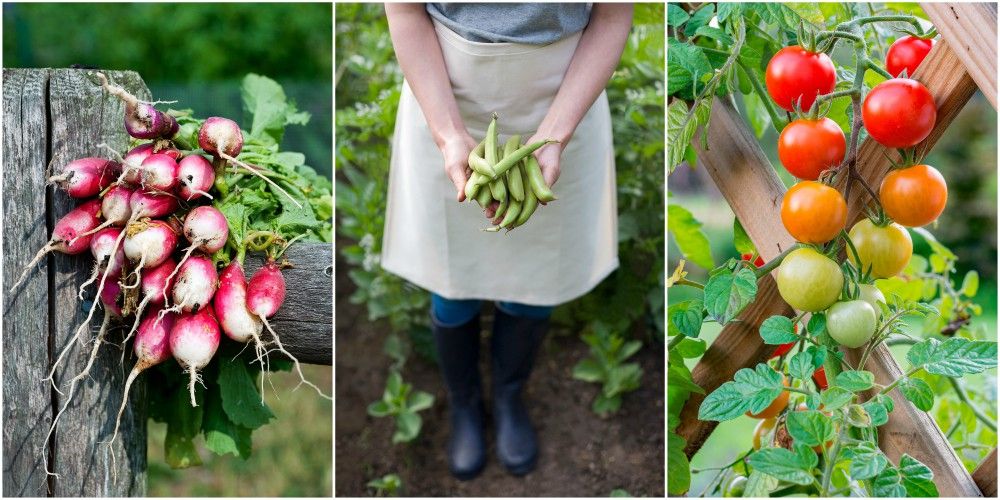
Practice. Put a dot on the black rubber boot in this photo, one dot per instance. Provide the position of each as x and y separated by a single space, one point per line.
514 345
458 355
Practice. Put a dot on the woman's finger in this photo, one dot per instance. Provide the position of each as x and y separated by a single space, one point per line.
458 178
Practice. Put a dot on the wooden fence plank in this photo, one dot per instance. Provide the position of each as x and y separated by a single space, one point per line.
985 475
971 29
751 187
27 400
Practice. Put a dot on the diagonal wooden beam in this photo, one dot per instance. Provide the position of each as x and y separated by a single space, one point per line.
751 187
971 28
985 475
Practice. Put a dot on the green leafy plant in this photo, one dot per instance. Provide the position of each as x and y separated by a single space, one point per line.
402 403
607 366
389 485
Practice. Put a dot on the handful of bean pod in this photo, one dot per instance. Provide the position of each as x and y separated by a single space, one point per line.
508 174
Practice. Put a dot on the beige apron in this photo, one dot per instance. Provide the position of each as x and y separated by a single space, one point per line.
431 240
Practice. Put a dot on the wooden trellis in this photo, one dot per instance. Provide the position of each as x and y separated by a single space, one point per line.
53 116
965 57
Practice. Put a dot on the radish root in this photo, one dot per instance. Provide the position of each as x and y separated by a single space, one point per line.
80 330
298 366
50 246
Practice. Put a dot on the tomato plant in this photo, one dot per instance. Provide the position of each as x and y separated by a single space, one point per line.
907 53
809 280
808 147
813 212
795 76
852 288
884 250
899 113
914 196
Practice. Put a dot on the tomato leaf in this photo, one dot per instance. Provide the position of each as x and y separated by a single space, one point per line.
687 317
918 392
954 357
678 468
836 397
726 294
689 236
866 461
782 464
878 413
855 381
801 366
676 16
889 483
918 479
777 330
741 240
817 324
809 427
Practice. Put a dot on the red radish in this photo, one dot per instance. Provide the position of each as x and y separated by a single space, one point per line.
195 285
149 244
115 208
222 138
86 177
155 284
196 177
207 229
151 347
131 172
237 322
265 294
159 172
193 341
103 246
142 120
64 236
152 205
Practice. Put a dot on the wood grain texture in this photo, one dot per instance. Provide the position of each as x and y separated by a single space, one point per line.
971 30
985 475
26 399
305 322
749 184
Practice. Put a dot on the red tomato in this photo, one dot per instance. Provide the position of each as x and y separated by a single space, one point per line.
914 196
795 73
819 376
808 147
907 53
759 261
899 113
813 212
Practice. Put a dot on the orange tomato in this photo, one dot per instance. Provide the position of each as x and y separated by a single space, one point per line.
913 196
813 212
776 406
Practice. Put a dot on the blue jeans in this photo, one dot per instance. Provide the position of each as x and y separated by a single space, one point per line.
451 313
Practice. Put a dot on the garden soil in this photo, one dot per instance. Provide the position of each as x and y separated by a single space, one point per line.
581 454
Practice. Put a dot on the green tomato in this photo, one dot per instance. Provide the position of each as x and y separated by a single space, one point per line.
872 295
809 281
851 323
737 486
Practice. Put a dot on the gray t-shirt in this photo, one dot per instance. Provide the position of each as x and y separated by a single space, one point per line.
528 23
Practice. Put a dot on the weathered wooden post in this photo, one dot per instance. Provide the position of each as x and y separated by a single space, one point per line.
52 116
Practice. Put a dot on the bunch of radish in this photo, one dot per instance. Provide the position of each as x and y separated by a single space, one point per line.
509 175
148 220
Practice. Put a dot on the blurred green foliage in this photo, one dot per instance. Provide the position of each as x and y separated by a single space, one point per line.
192 53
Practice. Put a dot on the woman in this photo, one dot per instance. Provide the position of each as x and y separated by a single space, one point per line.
543 69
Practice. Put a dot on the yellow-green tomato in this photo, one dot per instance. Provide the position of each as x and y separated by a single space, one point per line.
872 295
808 280
886 250
851 323
737 486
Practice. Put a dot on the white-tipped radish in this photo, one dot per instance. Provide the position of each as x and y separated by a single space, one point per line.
116 208
86 177
207 229
109 256
148 243
195 285
193 341
265 294
222 138
159 172
65 239
142 120
151 347
132 169
237 322
155 284
196 177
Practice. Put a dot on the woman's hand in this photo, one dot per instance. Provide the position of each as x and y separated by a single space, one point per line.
455 150
548 159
